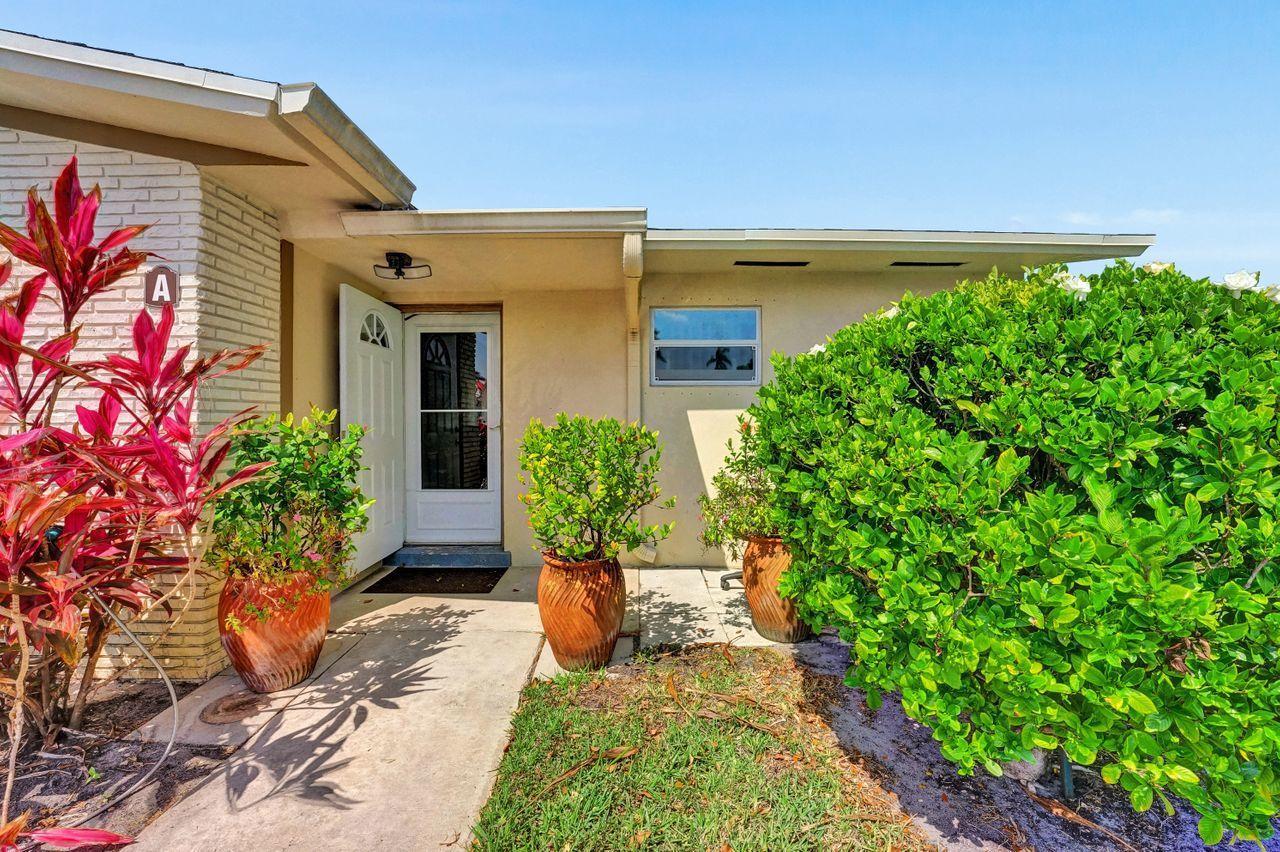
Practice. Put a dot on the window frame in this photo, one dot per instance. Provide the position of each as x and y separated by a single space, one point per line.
654 343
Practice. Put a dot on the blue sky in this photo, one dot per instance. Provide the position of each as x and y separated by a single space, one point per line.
1052 116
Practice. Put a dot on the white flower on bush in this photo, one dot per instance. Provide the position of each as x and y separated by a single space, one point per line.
817 349
1073 284
1237 282
1155 267
1272 292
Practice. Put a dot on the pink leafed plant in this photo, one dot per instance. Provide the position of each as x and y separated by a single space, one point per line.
103 508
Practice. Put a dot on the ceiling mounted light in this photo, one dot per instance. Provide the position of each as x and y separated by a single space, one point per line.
400 266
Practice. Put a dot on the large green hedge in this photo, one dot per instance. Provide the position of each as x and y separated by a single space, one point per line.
1044 512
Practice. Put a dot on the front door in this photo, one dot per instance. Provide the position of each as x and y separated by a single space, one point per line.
453 397
371 394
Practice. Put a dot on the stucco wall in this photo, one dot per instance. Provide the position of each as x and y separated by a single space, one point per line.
561 351
797 310
315 330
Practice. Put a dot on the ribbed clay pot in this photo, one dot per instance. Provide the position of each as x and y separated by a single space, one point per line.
774 617
581 605
282 651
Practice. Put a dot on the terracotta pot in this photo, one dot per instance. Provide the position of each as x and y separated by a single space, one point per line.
282 651
581 605
774 617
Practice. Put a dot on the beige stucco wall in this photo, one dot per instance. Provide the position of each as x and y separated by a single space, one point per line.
562 350
314 369
797 310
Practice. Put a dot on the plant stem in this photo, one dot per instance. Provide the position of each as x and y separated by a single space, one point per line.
16 714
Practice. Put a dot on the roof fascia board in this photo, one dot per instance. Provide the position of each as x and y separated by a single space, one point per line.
619 220
303 109
133 75
310 111
920 241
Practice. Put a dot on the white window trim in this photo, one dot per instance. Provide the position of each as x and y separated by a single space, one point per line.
654 381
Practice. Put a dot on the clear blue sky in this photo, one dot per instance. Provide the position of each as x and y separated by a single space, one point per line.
1052 116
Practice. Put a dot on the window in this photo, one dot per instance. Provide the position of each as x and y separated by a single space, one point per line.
705 346
374 330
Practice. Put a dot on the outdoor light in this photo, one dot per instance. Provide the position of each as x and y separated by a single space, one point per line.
400 266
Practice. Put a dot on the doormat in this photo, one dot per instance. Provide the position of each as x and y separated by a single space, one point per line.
408 580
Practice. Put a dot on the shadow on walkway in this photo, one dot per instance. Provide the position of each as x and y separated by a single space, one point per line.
295 753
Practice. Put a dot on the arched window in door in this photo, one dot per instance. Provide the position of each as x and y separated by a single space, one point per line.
374 330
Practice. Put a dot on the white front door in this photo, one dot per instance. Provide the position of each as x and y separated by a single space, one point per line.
371 393
453 398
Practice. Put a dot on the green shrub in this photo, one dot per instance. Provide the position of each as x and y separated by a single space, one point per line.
301 513
588 482
741 501
1047 518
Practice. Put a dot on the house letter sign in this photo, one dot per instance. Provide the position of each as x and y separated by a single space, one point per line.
162 288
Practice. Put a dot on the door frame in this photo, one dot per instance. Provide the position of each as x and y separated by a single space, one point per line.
447 320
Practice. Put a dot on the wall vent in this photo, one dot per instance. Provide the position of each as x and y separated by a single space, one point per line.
928 263
784 264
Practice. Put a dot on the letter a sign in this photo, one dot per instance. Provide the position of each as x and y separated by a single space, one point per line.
162 287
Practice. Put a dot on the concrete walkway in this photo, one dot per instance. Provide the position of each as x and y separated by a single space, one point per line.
393 742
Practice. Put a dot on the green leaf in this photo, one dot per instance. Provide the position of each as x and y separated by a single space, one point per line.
1140 701
1210 829
1140 797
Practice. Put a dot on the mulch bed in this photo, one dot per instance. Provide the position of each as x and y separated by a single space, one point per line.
85 768
980 811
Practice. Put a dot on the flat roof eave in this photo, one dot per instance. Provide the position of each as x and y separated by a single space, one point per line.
832 239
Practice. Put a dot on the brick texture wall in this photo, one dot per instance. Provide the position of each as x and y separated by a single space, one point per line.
226 249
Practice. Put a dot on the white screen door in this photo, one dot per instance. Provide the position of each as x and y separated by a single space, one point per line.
371 393
453 457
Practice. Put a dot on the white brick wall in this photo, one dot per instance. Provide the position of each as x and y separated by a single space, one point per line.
238 267
137 189
227 250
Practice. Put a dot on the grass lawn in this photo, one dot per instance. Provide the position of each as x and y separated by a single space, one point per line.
708 748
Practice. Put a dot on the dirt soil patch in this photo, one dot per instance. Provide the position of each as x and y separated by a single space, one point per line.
86 768
980 811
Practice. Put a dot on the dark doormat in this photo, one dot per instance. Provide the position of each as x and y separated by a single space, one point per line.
408 580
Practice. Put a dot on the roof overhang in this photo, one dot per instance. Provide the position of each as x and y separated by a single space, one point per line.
290 145
828 250
483 251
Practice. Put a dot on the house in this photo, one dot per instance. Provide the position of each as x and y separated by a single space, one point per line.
285 223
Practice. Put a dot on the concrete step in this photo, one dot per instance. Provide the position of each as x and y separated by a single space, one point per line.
449 556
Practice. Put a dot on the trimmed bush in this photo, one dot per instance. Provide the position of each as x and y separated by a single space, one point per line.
1044 511
741 500
589 480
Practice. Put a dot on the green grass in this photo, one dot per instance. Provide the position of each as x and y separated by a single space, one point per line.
700 776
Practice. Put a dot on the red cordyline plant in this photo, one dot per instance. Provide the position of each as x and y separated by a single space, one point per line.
103 511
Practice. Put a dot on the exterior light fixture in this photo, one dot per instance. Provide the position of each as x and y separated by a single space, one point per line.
401 266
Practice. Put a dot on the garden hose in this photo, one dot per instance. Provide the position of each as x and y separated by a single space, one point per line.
173 699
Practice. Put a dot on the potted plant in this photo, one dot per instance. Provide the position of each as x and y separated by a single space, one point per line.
588 482
282 541
738 517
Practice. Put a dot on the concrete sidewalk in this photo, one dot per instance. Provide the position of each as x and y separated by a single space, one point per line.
393 742
391 745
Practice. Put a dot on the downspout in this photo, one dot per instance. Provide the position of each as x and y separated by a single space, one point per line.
632 272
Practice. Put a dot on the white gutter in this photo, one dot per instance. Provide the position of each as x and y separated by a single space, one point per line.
598 220
301 108
314 114
768 239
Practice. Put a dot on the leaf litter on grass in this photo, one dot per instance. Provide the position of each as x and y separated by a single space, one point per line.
707 747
